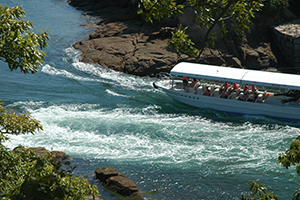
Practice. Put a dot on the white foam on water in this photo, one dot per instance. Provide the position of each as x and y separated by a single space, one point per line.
47 69
116 94
91 69
146 135
72 54
86 72
106 75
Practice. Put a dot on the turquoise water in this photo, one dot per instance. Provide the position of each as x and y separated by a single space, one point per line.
104 118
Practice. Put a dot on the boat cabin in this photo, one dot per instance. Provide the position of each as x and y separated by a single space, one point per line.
233 83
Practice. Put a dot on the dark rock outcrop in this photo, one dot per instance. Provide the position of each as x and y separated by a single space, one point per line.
118 183
123 42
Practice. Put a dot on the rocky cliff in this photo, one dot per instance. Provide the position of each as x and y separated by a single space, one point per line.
122 41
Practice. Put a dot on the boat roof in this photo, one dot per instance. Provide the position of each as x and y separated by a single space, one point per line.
236 75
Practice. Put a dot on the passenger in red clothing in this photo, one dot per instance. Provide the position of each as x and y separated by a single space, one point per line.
225 94
223 88
254 88
207 92
245 95
232 89
185 82
193 83
235 86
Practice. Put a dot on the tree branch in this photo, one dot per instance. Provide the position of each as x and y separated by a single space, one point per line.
214 24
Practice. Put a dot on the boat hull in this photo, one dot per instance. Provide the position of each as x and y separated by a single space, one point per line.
282 112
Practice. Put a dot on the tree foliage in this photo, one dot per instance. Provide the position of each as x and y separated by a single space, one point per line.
209 14
25 175
159 9
292 157
16 123
259 191
182 43
19 47
275 7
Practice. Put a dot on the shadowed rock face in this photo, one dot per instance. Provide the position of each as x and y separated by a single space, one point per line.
122 41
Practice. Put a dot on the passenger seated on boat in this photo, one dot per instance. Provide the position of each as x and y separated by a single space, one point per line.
260 98
185 82
235 86
207 91
254 89
223 88
254 93
193 83
245 93
233 91
225 94
265 96
255 96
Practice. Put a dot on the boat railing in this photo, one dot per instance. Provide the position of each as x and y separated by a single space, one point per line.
163 75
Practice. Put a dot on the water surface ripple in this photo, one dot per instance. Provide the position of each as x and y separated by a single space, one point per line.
104 118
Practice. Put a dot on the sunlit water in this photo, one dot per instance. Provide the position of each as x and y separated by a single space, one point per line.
103 118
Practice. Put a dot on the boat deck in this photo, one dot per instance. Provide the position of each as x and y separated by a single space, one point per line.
200 89
275 94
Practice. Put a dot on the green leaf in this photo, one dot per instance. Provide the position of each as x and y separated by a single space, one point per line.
20 47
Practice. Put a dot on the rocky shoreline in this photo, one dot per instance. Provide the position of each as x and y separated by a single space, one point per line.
112 180
122 41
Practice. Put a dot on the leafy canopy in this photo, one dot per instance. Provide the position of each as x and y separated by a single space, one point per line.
19 47
209 13
15 123
25 175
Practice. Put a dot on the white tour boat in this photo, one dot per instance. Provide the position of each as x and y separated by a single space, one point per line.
271 94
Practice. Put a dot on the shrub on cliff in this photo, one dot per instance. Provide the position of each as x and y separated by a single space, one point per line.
226 15
275 7
209 14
